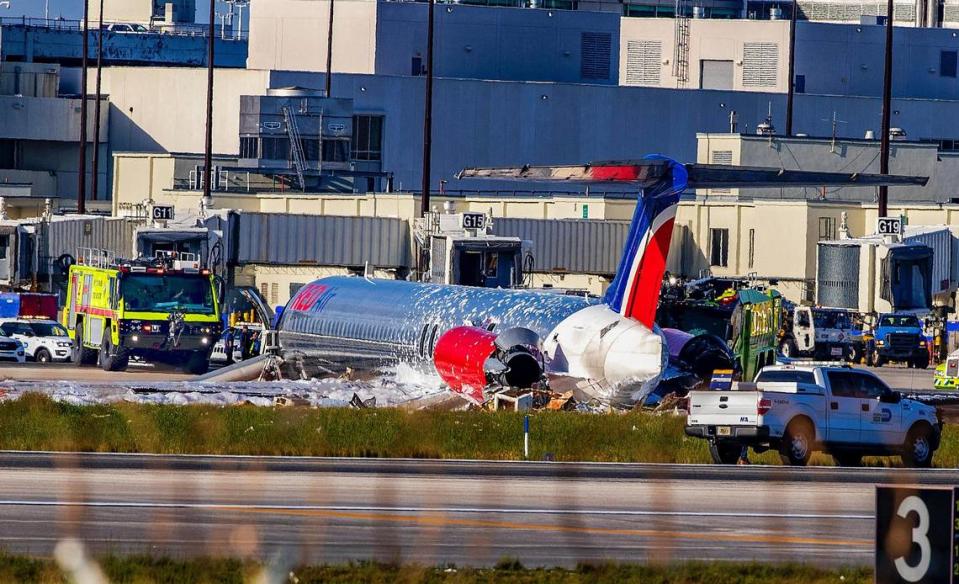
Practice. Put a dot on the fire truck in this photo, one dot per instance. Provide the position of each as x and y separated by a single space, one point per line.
165 308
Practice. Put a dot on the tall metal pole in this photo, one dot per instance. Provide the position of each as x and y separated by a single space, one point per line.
428 115
329 52
208 148
792 69
82 163
95 182
886 103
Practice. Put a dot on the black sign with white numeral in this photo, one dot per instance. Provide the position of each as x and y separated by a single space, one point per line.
915 535
474 221
163 212
889 226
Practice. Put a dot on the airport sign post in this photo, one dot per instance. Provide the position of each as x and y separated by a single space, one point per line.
917 535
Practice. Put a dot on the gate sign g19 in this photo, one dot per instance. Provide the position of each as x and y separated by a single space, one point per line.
163 212
916 535
889 226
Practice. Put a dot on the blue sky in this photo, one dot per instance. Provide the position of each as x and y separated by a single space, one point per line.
72 9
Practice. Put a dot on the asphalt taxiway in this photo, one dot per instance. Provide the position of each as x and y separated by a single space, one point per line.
436 512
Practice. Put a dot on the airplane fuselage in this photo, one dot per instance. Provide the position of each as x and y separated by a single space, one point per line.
370 323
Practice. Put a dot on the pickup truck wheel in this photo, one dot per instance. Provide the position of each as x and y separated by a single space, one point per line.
847 458
725 452
797 444
788 349
853 354
917 451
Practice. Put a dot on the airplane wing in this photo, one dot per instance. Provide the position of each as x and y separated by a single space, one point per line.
700 176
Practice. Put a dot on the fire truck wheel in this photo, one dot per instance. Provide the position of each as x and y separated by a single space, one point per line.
112 358
197 363
82 355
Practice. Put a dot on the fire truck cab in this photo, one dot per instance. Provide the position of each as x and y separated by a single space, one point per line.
165 308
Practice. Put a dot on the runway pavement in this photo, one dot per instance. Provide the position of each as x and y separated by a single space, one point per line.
467 513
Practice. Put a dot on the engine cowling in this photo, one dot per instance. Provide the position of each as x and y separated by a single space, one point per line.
471 359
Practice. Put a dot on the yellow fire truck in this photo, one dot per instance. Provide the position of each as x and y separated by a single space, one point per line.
159 309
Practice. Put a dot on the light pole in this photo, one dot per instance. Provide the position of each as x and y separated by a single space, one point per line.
886 103
208 147
329 52
95 181
428 115
82 163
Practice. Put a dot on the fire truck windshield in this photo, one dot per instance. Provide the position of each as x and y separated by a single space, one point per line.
167 293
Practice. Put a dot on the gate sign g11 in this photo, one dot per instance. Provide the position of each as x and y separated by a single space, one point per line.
889 226
916 535
163 212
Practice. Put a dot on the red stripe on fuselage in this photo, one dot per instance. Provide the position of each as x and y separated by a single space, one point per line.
642 300
613 173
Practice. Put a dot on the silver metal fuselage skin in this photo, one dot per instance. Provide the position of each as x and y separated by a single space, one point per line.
368 323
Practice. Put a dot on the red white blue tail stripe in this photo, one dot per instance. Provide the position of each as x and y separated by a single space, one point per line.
634 292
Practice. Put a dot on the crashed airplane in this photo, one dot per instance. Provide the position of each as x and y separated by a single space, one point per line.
480 339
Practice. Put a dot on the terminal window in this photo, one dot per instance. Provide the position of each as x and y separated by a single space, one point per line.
719 247
947 63
367 137
827 228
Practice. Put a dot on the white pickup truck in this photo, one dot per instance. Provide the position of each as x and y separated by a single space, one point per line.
797 409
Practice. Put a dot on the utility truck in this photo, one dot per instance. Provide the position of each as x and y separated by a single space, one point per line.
795 410
164 308
820 333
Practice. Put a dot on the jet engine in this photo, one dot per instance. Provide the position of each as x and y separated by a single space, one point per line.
470 359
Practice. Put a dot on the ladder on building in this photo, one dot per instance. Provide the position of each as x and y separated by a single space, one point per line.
296 146
681 43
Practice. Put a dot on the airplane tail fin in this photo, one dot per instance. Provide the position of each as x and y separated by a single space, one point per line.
635 290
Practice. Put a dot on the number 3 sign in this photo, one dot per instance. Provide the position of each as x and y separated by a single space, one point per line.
916 535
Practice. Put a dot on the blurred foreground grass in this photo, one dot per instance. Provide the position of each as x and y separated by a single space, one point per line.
140 569
36 422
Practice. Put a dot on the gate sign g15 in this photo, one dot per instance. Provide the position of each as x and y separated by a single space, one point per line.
916 535
889 226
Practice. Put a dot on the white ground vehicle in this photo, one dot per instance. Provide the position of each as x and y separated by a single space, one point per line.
11 349
820 333
43 340
846 412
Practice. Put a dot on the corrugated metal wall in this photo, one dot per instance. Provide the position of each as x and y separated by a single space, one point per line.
570 245
114 234
275 238
940 240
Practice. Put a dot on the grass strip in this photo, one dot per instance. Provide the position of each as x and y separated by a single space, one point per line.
144 569
35 422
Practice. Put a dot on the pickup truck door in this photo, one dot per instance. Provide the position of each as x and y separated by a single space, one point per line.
881 423
843 407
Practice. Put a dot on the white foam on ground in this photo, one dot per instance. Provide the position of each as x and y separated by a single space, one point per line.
394 386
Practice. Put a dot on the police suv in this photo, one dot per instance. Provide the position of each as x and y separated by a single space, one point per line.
797 409
43 340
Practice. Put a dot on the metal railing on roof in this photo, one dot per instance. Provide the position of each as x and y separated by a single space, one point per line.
179 29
